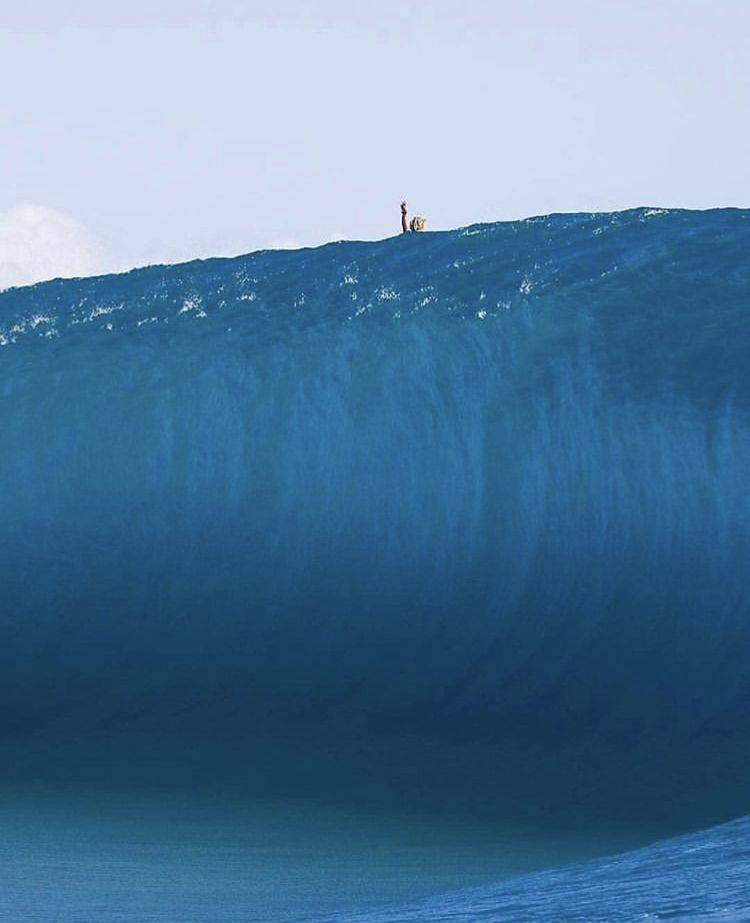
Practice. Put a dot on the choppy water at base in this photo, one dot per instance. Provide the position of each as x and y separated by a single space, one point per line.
167 859
702 877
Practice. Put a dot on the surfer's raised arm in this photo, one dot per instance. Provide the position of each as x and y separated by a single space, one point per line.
416 223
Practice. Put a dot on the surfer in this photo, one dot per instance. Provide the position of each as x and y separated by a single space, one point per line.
416 223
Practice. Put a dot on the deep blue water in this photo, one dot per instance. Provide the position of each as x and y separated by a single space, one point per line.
446 534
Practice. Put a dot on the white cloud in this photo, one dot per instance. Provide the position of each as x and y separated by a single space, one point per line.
38 243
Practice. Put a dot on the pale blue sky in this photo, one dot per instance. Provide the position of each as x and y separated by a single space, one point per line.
170 130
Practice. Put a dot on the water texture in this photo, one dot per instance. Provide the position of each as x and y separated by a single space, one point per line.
452 526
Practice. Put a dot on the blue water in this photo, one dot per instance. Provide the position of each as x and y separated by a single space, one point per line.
447 535
699 877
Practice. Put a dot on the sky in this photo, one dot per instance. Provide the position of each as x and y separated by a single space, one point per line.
161 131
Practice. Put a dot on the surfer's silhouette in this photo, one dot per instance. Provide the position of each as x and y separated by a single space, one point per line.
416 223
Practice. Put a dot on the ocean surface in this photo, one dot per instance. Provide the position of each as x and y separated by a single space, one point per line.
703 876
340 581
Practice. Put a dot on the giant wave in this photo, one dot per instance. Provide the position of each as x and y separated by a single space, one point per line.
465 514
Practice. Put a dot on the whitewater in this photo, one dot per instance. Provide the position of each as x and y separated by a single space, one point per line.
438 543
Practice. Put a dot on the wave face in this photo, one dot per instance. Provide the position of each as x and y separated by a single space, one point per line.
478 496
